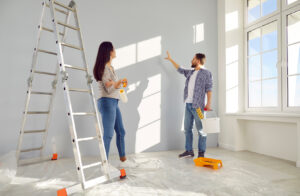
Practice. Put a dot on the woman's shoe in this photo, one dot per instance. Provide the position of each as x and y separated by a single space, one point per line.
123 159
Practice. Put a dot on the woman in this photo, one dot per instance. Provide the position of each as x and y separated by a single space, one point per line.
109 97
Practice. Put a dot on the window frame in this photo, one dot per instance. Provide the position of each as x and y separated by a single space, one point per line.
260 24
285 14
262 18
286 6
281 14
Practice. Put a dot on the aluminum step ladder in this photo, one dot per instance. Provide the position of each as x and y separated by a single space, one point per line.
61 68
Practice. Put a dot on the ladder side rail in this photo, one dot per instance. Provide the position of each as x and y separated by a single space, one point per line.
69 109
33 65
98 124
54 84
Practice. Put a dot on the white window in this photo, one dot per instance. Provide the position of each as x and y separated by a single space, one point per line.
273 41
260 8
293 59
291 1
262 66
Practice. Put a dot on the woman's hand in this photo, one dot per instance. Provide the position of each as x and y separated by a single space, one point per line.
124 82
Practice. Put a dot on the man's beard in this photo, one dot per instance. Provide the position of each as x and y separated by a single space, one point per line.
193 66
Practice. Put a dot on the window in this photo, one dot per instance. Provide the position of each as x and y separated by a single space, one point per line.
293 59
262 66
273 55
291 1
260 8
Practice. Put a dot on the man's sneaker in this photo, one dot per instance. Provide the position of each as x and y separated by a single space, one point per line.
200 154
187 154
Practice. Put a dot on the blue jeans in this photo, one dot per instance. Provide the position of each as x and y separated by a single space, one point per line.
112 120
189 117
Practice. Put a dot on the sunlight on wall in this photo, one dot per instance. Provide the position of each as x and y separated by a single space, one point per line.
137 52
149 48
232 21
125 56
232 79
198 33
148 133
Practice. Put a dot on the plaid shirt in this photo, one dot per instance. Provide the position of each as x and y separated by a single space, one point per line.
203 84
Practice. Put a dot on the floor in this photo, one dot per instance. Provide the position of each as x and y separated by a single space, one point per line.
162 173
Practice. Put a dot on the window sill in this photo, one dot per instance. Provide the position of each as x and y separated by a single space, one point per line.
273 117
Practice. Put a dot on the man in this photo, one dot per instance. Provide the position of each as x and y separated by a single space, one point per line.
198 84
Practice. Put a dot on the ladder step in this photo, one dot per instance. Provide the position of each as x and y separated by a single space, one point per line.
95 181
50 30
31 149
87 139
71 46
79 90
59 10
84 114
75 67
38 112
69 26
35 131
91 165
45 73
40 93
46 51
64 6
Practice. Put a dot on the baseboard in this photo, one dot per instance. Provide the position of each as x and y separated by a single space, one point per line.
230 147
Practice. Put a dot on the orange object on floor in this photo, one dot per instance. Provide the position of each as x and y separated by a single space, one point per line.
54 156
214 163
62 192
123 173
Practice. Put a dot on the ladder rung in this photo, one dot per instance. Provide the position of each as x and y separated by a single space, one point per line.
46 51
87 139
71 46
84 114
91 165
75 67
64 6
35 131
45 73
79 90
31 149
50 30
69 26
38 112
59 10
40 93
95 181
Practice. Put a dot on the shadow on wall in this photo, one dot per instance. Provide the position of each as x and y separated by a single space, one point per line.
153 115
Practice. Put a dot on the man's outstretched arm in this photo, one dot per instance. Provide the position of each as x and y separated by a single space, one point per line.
179 69
171 60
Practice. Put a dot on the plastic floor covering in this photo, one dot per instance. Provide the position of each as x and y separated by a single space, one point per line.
160 173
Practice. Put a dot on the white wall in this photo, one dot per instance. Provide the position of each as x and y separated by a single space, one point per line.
153 116
270 134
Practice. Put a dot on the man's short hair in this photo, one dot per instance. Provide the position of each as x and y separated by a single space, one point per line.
200 57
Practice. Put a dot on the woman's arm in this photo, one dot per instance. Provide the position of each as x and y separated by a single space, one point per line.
116 84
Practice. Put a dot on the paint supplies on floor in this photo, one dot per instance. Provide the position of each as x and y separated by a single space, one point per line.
208 162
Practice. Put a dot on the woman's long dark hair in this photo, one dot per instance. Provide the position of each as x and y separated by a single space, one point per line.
103 57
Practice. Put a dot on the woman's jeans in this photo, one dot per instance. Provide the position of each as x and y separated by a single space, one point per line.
112 120
189 117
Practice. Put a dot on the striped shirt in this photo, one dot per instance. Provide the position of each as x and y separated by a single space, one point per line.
203 84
